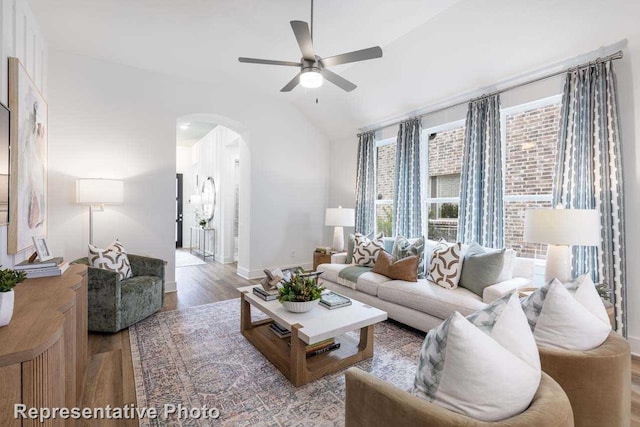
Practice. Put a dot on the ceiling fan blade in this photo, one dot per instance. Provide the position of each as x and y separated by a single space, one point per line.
269 62
303 36
341 82
355 56
293 83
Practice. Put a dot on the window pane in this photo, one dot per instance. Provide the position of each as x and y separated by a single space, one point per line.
384 219
443 221
531 146
514 229
385 181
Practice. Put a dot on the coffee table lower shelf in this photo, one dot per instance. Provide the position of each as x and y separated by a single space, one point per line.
291 360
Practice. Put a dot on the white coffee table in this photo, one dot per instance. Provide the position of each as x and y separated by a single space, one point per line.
309 328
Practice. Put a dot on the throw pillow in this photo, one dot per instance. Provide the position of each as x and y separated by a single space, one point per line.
404 247
481 268
112 258
397 269
365 251
559 319
463 369
351 243
445 265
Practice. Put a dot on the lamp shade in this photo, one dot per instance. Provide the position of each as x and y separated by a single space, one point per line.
573 227
92 191
340 217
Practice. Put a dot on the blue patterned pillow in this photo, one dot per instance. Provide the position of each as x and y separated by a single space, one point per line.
403 248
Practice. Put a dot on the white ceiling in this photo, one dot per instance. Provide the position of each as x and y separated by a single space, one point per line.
433 49
188 132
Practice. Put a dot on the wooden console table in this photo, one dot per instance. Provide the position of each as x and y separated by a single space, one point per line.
43 351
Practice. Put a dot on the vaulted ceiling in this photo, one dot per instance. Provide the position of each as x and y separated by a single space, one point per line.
433 49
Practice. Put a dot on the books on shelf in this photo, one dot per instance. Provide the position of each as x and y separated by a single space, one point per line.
279 330
265 295
332 300
331 347
49 268
321 347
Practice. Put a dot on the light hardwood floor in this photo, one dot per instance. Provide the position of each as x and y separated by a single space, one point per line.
109 379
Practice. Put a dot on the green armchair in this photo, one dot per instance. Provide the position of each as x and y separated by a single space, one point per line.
116 304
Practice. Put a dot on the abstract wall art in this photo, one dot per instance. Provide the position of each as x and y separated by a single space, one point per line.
28 178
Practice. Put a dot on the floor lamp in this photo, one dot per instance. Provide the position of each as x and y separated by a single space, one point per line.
561 228
339 217
96 193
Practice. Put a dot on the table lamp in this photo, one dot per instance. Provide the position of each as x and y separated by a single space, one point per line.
339 217
97 192
561 228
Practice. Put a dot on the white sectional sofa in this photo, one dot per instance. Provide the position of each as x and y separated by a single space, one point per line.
421 304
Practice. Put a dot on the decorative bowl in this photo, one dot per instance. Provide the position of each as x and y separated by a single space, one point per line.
299 306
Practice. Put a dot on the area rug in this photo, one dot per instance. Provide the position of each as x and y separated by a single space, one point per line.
197 356
185 259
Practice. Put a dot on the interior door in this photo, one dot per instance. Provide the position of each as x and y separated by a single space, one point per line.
178 210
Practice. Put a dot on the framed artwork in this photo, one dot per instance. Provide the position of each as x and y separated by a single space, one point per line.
28 178
42 249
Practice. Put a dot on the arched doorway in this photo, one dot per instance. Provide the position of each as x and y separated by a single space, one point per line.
212 190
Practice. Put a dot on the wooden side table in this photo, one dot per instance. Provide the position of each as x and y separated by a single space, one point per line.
320 258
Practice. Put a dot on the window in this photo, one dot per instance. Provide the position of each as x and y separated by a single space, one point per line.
443 161
385 185
530 136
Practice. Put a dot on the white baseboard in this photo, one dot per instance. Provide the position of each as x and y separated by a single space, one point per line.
170 287
635 345
259 273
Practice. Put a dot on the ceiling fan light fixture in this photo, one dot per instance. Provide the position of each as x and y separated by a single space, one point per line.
311 78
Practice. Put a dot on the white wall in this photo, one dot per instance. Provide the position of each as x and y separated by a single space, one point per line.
21 38
113 121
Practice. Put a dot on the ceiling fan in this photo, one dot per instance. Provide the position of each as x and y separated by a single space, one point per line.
314 68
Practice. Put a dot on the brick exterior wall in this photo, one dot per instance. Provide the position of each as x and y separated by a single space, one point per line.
385 180
530 158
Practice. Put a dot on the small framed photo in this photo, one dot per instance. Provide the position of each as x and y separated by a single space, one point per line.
42 248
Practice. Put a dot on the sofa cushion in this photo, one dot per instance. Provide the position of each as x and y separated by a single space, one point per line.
445 265
493 354
367 282
481 268
429 298
398 269
365 251
558 319
112 258
141 296
403 247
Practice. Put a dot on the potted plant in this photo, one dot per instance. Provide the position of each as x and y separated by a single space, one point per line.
8 280
300 294
203 223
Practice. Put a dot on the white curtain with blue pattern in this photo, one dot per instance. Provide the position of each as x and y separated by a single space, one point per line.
366 184
588 174
481 212
407 209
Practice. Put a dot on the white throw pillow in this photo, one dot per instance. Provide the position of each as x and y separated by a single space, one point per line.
559 319
467 370
365 251
508 266
445 265
113 258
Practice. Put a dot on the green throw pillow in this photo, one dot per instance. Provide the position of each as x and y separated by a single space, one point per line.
404 247
481 268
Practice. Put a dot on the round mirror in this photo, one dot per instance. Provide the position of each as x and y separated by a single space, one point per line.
208 194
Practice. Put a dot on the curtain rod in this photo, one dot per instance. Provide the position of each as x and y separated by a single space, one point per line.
614 56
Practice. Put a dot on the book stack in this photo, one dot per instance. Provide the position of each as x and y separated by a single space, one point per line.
322 347
265 295
279 330
48 268
332 300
